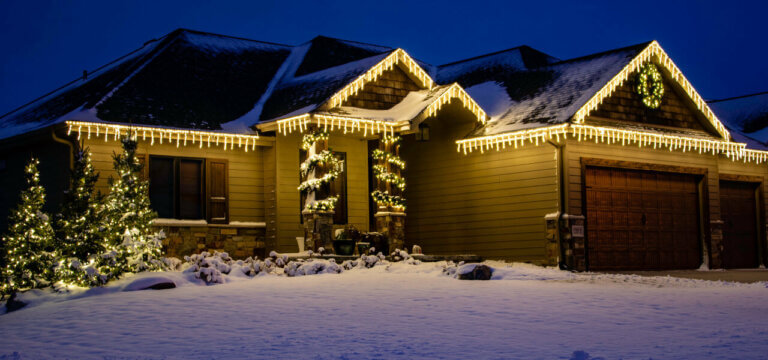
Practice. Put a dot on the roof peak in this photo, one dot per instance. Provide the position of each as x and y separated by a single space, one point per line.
520 48
737 97
639 46
180 31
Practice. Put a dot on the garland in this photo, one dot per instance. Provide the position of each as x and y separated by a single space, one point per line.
310 139
383 198
650 86
327 204
392 178
390 158
325 159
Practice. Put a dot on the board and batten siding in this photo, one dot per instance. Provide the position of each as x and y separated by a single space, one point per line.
288 207
246 171
491 204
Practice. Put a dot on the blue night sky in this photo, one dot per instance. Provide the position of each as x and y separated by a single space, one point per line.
720 46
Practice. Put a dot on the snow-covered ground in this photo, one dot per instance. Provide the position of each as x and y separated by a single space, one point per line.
399 311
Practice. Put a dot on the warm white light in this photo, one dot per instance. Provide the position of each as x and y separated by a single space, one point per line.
181 136
653 50
733 150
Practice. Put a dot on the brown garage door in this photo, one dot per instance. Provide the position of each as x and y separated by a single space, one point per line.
641 220
739 212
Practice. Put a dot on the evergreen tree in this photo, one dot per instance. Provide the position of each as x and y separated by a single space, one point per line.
29 241
133 246
78 227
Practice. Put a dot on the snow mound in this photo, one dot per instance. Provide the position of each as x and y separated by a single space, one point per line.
152 282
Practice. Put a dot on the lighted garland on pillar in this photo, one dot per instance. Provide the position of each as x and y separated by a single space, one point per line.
27 247
384 198
324 160
650 86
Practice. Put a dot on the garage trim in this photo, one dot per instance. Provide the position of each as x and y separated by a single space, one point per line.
703 190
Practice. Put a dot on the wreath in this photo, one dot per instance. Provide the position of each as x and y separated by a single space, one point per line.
650 86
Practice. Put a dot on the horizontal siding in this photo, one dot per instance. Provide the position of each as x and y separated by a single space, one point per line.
246 173
491 204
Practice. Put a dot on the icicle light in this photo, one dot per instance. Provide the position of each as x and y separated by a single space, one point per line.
653 50
175 137
733 150
331 122
456 91
399 56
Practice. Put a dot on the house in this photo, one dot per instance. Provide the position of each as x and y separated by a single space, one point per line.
607 161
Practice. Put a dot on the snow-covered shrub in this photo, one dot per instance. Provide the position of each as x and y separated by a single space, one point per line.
312 267
209 267
172 263
402 255
72 271
450 268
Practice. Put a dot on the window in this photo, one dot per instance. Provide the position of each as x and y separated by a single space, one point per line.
337 187
187 188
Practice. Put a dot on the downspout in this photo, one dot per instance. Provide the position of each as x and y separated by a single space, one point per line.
560 150
69 144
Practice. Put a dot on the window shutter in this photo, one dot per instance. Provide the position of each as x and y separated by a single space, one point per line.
217 191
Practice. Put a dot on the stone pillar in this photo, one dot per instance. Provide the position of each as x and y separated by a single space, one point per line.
318 230
392 224
716 244
572 242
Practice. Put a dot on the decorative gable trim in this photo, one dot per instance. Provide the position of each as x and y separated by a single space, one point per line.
398 57
456 91
651 51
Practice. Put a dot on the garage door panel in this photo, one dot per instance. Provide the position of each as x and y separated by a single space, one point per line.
739 213
641 219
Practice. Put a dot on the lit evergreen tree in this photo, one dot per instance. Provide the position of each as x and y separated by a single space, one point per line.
78 227
133 247
29 241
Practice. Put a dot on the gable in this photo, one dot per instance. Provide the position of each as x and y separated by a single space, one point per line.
385 92
654 53
626 105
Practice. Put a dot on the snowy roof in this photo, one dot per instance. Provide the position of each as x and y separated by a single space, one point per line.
186 79
414 104
195 80
746 117
520 94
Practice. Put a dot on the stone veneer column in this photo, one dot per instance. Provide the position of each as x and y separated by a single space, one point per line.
716 244
318 230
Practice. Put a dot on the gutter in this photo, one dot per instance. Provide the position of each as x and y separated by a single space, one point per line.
560 148
69 144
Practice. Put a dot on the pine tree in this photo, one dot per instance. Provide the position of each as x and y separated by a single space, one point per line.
128 217
78 227
29 241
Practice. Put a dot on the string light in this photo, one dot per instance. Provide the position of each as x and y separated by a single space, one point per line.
398 57
456 91
652 51
733 150
331 122
181 137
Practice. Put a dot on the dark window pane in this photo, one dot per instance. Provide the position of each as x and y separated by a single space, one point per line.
339 188
161 186
190 189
